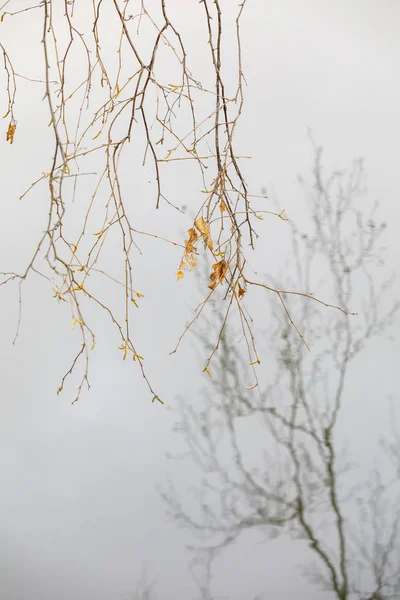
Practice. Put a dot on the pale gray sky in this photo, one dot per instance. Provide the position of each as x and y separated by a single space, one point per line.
79 510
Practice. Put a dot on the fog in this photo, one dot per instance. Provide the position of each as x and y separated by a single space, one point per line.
81 515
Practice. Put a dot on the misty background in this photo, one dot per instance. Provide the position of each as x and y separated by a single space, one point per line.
80 509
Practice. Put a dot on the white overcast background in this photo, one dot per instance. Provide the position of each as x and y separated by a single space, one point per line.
80 514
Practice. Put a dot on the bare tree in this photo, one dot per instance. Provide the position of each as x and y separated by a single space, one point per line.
295 475
106 75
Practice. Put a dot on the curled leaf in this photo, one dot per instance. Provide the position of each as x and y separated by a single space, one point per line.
204 229
10 132
218 273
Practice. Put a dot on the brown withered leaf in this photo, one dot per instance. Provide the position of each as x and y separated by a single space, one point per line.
241 291
218 273
190 243
204 229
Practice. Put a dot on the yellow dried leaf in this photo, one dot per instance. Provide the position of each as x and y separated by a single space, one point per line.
222 206
124 347
58 295
159 399
204 229
139 295
97 135
168 154
10 132
191 261
79 288
180 274
75 321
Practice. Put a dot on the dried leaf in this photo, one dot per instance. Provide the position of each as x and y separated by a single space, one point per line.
10 132
124 347
190 243
218 273
191 261
222 206
241 291
159 399
204 229
75 321
207 370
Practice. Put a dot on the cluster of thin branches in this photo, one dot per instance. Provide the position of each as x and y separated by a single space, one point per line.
299 480
100 101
